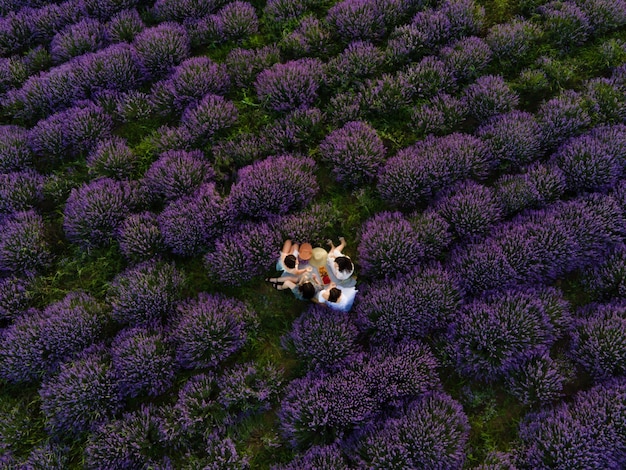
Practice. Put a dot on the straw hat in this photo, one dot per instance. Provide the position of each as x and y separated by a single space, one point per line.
305 251
318 257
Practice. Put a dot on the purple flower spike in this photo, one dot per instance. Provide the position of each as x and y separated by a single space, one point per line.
112 158
24 247
88 35
140 238
490 96
15 151
210 115
161 48
239 20
354 20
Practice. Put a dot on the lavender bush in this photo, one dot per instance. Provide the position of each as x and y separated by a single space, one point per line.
273 186
95 211
177 173
512 43
190 225
209 116
161 48
317 458
112 158
247 251
359 60
470 209
24 244
467 58
142 362
413 306
536 381
562 117
15 152
605 280
432 232
37 343
493 335
431 431
489 96
146 293
294 132
239 20
321 340
14 297
406 179
243 65
291 85
311 224
124 26
355 152
208 329
179 10
354 20
441 115
88 35
311 38
189 83
429 77
386 248
140 237
82 396
20 191
565 23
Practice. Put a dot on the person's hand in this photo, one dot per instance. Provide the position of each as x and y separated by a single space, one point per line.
309 269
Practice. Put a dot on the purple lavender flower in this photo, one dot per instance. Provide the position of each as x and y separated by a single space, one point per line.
604 15
117 67
70 133
514 138
311 224
416 173
385 249
430 431
587 164
279 12
239 20
209 116
385 96
161 48
310 39
138 440
105 9
317 458
209 329
94 211
563 117
24 246
14 297
222 454
317 409
470 209
294 84
355 152
240 150
598 340
191 224
124 26
541 184
298 130
607 279
536 381
45 93
140 238
88 35
247 389
345 107
247 251
432 232
321 340
172 138
243 65
49 455
177 173
206 31
142 362
361 59
440 116
20 191
414 306
429 77
614 138
82 396
489 96
196 411
512 42
112 158
273 186
179 10
189 83
466 17
15 152
492 335
145 293
354 20
565 23
586 433
607 98
467 58
37 343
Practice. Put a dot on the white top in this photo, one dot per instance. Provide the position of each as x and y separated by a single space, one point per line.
332 267
345 301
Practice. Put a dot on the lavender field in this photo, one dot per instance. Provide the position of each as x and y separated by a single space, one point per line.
154 156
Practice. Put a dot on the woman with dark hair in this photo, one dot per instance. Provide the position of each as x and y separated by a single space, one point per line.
304 287
337 297
289 259
339 265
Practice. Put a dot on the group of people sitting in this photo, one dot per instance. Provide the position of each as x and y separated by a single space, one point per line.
318 275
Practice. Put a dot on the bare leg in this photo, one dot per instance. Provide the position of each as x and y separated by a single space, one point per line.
287 285
287 248
342 245
283 279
